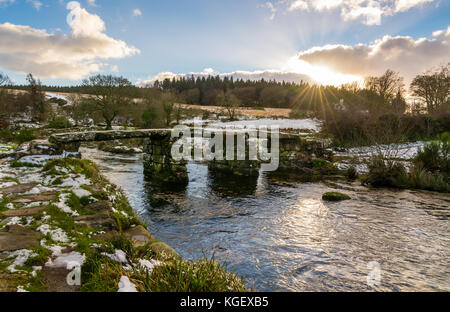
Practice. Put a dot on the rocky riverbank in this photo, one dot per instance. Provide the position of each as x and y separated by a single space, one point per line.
64 227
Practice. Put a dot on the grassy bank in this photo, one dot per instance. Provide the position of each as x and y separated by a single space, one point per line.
75 216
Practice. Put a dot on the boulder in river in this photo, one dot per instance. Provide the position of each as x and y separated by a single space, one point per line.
335 196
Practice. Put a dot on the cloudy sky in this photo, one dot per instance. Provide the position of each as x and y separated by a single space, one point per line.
326 41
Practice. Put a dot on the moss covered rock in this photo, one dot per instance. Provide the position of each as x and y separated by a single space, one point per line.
335 196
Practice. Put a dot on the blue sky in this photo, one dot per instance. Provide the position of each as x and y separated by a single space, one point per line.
180 37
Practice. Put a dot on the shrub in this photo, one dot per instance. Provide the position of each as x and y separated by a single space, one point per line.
384 172
435 156
60 122
24 135
420 178
6 135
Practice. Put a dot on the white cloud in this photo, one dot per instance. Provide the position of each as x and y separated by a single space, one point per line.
137 12
53 55
298 5
368 11
35 3
402 53
92 3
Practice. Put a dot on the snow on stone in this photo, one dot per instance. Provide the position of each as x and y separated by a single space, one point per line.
21 256
149 264
58 235
125 285
13 221
80 192
67 260
33 175
42 159
118 256
6 184
36 204
75 181
38 189
37 159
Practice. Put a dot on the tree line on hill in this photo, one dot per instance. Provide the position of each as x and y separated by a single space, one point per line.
110 98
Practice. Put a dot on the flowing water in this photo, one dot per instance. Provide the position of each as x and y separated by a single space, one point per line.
280 235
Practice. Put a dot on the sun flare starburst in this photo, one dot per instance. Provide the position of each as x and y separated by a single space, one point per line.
320 74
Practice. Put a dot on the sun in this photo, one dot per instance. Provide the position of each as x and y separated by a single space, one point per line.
320 74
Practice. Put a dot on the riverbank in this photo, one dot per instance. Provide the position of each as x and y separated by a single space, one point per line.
64 227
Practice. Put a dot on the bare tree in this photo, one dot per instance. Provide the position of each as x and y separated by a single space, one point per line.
229 102
433 88
388 86
37 97
4 80
108 95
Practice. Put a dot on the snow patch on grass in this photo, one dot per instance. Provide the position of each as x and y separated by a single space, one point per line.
58 235
61 204
125 285
118 256
149 264
21 256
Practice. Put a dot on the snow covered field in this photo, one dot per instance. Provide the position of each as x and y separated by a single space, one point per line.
284 124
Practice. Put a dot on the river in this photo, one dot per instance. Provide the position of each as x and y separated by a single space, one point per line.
280 236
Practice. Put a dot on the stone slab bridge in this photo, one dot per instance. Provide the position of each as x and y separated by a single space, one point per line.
161 168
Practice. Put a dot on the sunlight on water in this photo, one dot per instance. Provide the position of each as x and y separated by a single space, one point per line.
282 236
